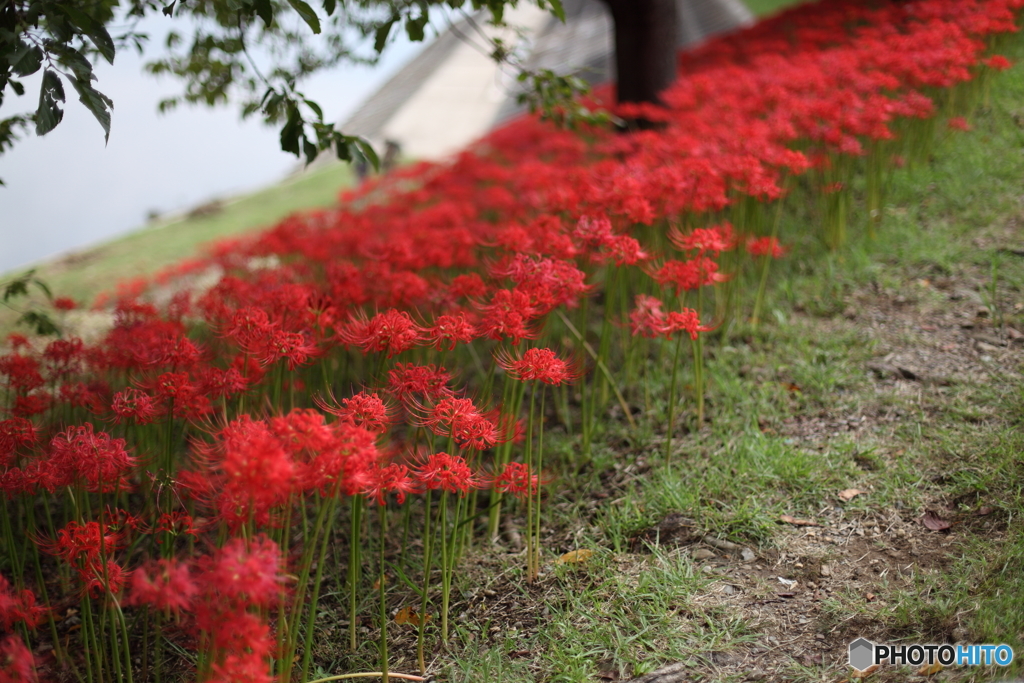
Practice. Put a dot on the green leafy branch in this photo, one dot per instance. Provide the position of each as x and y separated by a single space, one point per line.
39 321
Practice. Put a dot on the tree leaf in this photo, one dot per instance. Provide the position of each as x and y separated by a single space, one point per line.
96 102
265 11
41 322
380 38
847 495
310 150
43 287
49 113
932 521
575 556
407 615
330 6
91 27
415 27
292 130
307 13
557 9
27 60
18 286
797 522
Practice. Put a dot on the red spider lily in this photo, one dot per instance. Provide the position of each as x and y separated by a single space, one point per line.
764 246
244 573
998 62
23 372
685 320
958 123
689 275
649 320
103 577
249 328
17 665
63 303
134 404
347 466
447 472
516 480
405 381
65 356
394 478
242 667
625 250
449 330
164 584
178 390
292 347
482 431
15 433
257 471
31 404
647 317
217 383
18 341
716 239
82 454
84 541
392 331
19 607
303 433
508 315
538 364
468 285
444 417
593 232
176 523
363 410
228 628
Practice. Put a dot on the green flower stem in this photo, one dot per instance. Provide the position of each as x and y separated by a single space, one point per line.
672 402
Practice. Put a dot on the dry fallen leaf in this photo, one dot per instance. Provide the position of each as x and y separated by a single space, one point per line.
575 556
930 669
866 672
793 388
849 494
376 584
407 615
797 522
984 510
932 521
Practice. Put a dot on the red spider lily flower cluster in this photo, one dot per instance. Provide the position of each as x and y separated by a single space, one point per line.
538 364
427 274
649 320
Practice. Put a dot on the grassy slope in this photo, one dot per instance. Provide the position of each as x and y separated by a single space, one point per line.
83 275
954 449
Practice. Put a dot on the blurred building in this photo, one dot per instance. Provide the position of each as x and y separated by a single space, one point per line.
452 92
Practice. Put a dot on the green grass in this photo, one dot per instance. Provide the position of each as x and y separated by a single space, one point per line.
763 8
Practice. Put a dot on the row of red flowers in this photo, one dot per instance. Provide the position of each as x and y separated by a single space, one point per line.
403 349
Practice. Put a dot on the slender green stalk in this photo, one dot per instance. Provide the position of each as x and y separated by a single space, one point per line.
445 560
531 569
540 472
382 591
427 560
672 402
353 567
